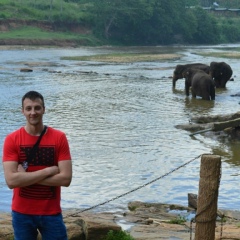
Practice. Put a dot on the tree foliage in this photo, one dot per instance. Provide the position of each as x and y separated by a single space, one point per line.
207 30
151 22
135 22
221 3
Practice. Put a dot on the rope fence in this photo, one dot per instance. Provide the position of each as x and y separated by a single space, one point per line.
137 188
133 190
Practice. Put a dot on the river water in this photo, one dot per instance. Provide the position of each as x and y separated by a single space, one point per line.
120 121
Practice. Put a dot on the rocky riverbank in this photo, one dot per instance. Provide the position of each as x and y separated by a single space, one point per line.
144 221
226 125
43 42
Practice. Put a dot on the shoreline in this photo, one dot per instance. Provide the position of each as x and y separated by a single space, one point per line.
151 221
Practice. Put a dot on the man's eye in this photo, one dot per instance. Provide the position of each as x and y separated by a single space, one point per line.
35 108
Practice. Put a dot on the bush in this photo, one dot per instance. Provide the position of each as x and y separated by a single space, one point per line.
179 220
118 235
3 16
230 30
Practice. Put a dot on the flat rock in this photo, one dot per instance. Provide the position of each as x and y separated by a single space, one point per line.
144 221
26 70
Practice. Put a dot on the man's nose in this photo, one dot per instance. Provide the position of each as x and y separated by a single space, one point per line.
33 111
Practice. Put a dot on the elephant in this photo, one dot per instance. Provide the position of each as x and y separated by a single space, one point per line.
201 84
221 73
178 72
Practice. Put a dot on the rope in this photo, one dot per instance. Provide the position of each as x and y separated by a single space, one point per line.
133 190
124 194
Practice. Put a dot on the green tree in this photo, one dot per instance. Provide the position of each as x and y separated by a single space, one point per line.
206 3
140 21
208 31
193 2
230 30
152 22
115 13
186 28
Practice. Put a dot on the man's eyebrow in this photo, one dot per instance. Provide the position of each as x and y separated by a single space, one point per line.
39 105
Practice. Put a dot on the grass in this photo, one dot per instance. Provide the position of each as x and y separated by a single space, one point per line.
238 225
126 57
234 54
29 33
132 208
179 220
130 57
59 11
37 33
118 235
41 10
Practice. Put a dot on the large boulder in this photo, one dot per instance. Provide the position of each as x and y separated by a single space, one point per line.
145 221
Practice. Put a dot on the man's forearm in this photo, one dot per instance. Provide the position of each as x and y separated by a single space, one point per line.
57 180
23 179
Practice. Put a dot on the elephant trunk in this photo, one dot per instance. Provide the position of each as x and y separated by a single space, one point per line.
174 83
174 79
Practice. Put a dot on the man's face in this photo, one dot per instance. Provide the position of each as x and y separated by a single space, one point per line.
33 110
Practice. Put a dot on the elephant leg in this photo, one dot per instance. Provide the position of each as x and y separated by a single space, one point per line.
187 86
223 83
212 93
207 97
217 83
194 95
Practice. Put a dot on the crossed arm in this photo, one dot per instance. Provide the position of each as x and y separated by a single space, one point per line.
16 176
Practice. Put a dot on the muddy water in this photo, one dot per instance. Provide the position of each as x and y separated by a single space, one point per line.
120 121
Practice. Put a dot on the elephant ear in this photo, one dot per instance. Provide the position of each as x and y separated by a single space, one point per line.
179 69
213 64
186 73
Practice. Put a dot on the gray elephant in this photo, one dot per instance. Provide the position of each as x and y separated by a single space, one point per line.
201 84
178 72
221 73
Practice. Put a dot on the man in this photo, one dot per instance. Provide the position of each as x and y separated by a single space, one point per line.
36 180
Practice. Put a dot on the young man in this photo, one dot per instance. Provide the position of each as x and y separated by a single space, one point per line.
36 179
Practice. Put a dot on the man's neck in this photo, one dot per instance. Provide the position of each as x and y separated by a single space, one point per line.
34 130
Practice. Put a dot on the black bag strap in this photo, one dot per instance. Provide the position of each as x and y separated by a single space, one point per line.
34 149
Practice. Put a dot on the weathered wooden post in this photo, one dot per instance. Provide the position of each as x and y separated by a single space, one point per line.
210 173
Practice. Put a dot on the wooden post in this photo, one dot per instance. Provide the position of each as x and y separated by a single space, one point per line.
206 215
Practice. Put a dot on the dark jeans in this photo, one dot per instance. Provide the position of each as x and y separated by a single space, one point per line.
26 227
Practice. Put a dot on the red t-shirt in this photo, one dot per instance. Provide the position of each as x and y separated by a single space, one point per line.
37 199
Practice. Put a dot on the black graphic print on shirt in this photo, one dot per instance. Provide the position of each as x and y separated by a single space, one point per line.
44 157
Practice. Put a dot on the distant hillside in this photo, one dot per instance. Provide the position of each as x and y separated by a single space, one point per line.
82 22
37 32
27 22
10 24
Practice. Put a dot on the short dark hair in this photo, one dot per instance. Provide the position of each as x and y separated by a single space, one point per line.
33 95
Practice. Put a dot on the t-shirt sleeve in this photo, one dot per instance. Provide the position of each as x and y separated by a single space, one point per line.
64 150
10 151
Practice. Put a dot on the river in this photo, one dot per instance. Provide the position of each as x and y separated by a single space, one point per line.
120 121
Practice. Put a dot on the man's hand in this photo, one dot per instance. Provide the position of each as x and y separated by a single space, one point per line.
62 177
20 168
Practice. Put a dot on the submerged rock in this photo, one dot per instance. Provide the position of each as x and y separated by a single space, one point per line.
227 124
